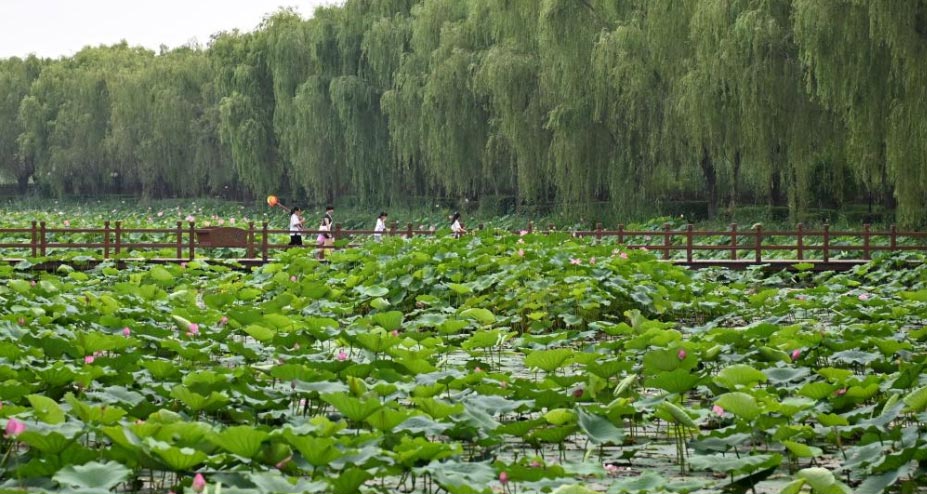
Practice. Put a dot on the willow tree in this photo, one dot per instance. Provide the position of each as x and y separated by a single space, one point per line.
289 59
581 149
509 77
902 27
16 76
865 61
782 134
634 68
246 110
155 114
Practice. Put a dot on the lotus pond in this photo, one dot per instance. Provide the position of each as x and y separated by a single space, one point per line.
494 363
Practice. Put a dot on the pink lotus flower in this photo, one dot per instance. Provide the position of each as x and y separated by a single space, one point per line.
21 321
576 262
67 223
220 222
610 469
394 333
231 221
717 410
199 483
681 354
193 328
591 260
342 356
863 296
88 359
160 214
293 278
535 464
126 332
477 369
503 384
801 297
32 283
503 478
645 249
183 265
14 427
190 218
841 392
522 233
796 353
223 321
521 252
623 255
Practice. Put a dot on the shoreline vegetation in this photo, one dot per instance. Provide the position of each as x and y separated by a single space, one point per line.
604 110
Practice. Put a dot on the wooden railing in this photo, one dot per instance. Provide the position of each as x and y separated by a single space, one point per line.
116 242
734 247
754 245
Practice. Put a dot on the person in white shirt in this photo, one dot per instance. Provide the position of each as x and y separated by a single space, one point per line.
296 226
456 227
380 227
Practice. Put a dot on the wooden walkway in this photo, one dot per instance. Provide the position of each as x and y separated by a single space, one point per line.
818 250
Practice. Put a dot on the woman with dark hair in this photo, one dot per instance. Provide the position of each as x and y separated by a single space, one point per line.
296 226
456 227
325 239
380 227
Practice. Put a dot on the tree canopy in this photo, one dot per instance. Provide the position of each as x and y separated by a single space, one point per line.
535 103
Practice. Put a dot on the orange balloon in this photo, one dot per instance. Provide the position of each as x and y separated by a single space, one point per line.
271 201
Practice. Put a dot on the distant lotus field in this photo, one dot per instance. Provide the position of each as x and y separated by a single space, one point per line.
488 364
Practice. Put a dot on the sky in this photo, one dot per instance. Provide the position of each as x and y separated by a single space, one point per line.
55 28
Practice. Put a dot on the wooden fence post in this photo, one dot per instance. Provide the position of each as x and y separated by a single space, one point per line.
118 234
621 234
43 239
759 243
106 240
264 242
598 231
733 241
826 242
192 252
337 233
250 252
393 228
866 234
530 226
801 241
689 243
667 241
409 230
35 239
893 239
179 240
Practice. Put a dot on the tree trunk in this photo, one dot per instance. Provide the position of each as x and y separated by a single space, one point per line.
22 184
735 177
711 182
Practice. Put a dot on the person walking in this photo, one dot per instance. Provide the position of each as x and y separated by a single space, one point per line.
380 227
296 226
456 227
325 239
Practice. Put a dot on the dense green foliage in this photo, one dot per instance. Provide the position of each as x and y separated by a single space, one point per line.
469 366
796 103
